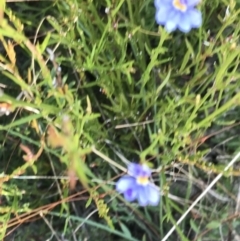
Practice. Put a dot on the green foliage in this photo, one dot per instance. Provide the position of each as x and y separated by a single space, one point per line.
85 84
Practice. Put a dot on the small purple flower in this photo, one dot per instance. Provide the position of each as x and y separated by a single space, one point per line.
136 185
180 14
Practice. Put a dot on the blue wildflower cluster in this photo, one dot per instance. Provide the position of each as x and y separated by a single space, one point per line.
136 186
173 14
178 14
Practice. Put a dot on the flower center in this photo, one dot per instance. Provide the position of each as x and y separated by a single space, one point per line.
142 180
178 4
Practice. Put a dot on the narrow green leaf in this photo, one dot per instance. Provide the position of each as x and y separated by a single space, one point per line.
125 230
45 42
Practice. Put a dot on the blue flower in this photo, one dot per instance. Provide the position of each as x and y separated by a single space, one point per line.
180 14
136 185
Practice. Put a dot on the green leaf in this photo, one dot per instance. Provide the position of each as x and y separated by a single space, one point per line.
144 238
45 42
34 168
125 230
89 201
213 225
194 226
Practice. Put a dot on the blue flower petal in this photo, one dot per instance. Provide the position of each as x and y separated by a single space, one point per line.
195 17
130 194
185 24
159 3
162 14
153 194
137 170
134 169
142 195
148 195
192 3
170 26
124 183
173 21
